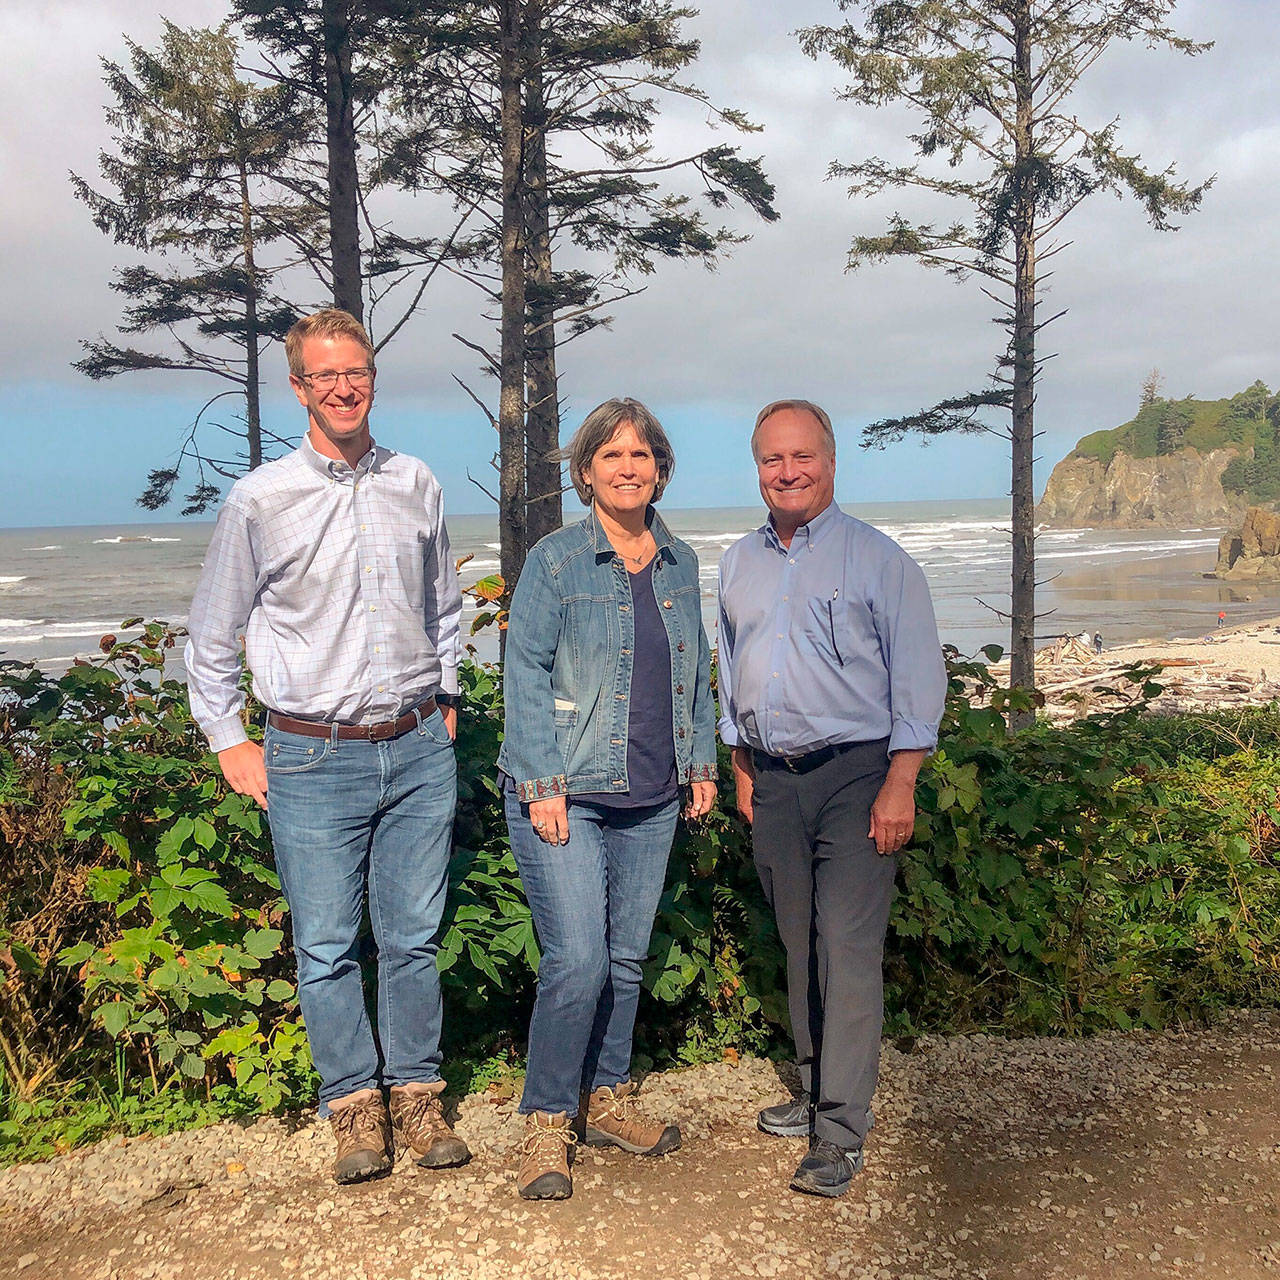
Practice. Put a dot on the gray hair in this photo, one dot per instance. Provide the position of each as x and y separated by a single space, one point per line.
600 426
803 406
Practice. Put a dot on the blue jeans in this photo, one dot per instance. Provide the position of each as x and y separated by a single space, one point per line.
345 815
593 901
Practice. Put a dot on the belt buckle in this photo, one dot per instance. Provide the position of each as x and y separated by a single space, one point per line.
381 732
789 763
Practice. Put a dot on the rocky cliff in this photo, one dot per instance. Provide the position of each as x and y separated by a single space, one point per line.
1178 490
1253 554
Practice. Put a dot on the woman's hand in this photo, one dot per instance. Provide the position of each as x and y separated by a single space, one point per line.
700 802
550 819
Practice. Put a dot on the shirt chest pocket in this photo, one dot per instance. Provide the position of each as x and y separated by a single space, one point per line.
835 628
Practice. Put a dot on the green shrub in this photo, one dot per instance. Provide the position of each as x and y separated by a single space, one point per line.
1121 871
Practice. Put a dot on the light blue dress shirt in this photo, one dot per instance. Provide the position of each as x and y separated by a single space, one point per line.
831 640
343 586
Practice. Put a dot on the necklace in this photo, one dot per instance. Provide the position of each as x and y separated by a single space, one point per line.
636 559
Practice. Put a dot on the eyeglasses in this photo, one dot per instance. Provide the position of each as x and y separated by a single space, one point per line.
327 379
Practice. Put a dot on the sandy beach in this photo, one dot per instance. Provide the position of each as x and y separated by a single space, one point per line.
1228 667
1253 649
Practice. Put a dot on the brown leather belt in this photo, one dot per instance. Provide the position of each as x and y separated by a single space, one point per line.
365 732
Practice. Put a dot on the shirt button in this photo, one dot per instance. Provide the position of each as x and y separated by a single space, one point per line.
382 688
680 647
368 568
679 688
363 527
792 560
679 733
377 648
373 608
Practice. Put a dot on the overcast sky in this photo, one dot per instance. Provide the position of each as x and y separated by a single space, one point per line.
704 350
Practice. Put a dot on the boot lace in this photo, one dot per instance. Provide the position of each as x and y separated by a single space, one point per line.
423 1117
359 1120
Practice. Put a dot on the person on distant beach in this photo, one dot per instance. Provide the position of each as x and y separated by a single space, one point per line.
1097 642
607 680
831 691
1222 617
334 564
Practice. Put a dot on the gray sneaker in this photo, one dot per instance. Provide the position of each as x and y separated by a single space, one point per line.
827 1170
794 1118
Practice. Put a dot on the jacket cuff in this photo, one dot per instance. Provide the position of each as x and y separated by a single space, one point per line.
702 773
542 788
913 735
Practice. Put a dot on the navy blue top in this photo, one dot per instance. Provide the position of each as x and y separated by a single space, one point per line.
651 753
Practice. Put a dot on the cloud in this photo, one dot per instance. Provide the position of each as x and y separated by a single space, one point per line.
781 316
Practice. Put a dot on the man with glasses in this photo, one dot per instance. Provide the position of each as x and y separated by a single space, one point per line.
333 564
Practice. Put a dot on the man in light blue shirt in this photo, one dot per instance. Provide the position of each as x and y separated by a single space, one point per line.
831 691
333 563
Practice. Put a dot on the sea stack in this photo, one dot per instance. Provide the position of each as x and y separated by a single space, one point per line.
1253 554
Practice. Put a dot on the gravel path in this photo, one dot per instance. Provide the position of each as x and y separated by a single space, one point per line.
1122 1156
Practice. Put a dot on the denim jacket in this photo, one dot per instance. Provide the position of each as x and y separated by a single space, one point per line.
567 669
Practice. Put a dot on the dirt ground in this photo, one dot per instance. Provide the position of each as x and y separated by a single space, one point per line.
1123 1156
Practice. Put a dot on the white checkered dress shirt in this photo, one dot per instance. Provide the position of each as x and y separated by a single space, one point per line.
341 583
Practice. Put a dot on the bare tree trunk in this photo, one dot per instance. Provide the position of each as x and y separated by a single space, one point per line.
512 494
542 426
340 138
252 376
1022 673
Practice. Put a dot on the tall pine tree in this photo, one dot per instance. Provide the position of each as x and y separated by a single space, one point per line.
195 182
992 82
539 115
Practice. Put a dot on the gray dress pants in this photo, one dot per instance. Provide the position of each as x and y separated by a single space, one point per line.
830 892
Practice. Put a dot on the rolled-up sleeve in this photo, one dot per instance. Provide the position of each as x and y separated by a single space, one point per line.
903 613
228 586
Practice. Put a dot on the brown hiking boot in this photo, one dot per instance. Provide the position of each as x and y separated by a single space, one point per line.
544 1157
612 1117
417 1119
363 1134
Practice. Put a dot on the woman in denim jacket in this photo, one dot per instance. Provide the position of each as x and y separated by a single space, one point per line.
608 716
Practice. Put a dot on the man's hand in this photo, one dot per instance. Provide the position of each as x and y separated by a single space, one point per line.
700 801
245 770
893 813
450 716
550 819
744 781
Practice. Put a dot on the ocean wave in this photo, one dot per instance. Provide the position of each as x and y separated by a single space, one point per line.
7 580
134 537
50 630
54 547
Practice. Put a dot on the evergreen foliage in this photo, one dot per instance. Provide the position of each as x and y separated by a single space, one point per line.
537 118
200 179
991 82
1248 421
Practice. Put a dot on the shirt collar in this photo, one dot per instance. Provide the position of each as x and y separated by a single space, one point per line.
807 534
662 539
335 468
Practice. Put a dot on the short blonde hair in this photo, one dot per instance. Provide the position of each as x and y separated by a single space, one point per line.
600 426
332 322
805 406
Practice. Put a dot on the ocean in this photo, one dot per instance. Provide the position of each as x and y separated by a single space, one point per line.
63 588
